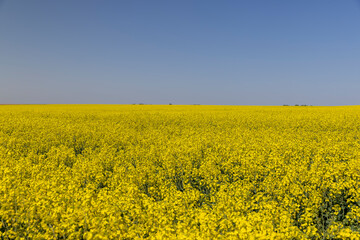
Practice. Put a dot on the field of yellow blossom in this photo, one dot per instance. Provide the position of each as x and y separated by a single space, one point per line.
179 172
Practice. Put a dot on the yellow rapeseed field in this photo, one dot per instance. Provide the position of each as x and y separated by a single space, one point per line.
179 172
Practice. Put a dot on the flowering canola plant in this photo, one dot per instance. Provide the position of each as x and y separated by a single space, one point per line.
179 172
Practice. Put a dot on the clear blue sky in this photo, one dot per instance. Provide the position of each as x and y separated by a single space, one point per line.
182 52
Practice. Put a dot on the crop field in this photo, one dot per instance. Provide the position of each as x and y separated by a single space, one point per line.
179 172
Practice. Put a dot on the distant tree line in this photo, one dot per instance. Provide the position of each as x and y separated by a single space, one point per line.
297 105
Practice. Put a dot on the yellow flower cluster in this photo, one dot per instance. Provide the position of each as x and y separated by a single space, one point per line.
179 172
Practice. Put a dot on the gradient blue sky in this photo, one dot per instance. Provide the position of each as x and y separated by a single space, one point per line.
254 52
